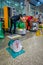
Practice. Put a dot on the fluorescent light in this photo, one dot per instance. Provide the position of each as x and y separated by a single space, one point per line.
38 3
8 1
21 3
16 4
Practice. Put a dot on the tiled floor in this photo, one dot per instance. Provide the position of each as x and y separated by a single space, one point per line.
33 52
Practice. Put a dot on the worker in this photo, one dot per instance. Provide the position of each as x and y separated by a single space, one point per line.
29 21
14 19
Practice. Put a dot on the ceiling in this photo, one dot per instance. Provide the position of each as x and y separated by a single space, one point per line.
11 2
36 2
15 2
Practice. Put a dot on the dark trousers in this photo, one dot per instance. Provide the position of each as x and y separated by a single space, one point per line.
13 22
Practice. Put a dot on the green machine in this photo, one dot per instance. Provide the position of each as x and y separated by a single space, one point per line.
21 28
1 30
21 25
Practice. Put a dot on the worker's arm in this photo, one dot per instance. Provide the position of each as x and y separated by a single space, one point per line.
31 21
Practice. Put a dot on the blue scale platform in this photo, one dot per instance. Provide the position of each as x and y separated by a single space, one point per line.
15 54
